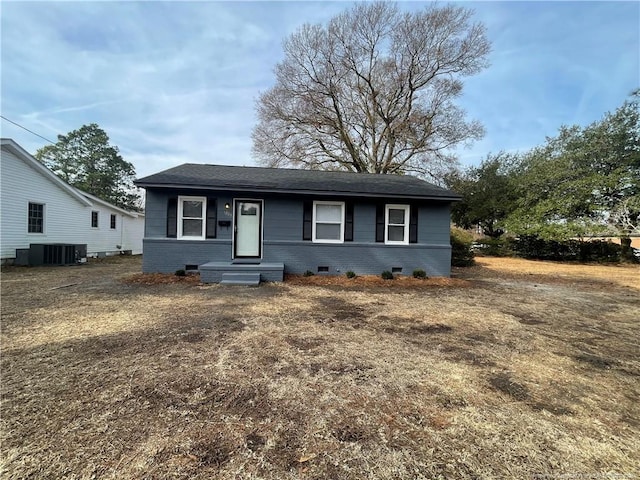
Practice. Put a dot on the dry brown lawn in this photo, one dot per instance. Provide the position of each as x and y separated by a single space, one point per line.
513 369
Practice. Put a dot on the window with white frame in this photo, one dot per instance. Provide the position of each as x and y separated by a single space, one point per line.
191 217
396 224
328 222
94 219
35 221
112 225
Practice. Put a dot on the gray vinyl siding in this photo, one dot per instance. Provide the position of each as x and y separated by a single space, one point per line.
282 219
364 223
155 212
156 209
283 239
434 224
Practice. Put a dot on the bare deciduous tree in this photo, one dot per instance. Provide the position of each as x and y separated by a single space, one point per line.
373 91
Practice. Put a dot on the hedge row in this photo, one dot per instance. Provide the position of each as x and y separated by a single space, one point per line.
536 248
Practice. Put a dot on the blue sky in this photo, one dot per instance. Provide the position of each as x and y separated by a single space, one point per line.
175 82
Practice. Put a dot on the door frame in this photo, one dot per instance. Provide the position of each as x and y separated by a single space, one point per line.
235 228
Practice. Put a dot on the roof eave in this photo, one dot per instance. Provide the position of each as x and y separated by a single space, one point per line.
444 198
107 204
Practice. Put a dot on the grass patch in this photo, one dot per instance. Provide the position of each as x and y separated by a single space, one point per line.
510 370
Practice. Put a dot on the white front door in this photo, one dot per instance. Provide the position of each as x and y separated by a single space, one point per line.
248 228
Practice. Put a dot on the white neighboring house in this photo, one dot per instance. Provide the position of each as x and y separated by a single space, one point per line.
36 206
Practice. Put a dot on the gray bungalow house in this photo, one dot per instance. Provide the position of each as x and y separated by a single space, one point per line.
246 224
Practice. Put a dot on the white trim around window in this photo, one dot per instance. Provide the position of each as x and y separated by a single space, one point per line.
326 223
395 225
192 219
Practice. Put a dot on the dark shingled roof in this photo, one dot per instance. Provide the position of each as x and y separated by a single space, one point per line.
256 179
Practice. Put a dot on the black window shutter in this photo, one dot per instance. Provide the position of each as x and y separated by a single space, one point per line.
348 222
380 222
172 217
413 224
307 218
212 217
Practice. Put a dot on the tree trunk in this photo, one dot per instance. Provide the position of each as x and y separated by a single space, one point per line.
627 252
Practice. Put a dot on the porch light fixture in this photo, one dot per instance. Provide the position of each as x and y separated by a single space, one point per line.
227 206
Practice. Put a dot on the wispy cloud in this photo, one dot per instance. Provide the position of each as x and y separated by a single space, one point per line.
173 82
553 64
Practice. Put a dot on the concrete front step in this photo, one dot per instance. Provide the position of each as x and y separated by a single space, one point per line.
248 279
215 272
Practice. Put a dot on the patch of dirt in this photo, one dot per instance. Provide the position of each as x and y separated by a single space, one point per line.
255 442
552 408
399 281
193 337
216 451
211 449
449 402
467 355
505 384
162 279
305 344
211 323
340 310
411 327
350 433
595 361
355 370
526 318
431 329
287 449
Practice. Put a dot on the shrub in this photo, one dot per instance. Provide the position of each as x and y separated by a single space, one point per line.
599 251
419 273
461 252
627 252
387 275
308 273
536 248
494 247
180 273
351 274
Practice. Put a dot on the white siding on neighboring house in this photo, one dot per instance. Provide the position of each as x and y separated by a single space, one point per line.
127 234
104 238
133 234
65 216
67 211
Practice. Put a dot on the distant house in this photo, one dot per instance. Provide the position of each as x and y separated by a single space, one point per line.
245 224
37 207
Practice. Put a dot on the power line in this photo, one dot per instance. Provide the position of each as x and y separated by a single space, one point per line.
25 128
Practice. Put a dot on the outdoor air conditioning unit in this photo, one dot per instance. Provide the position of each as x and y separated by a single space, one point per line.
57 253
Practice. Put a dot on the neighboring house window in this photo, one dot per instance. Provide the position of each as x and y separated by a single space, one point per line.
36 218
397 224
113 221
328 222
94 219
191 215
